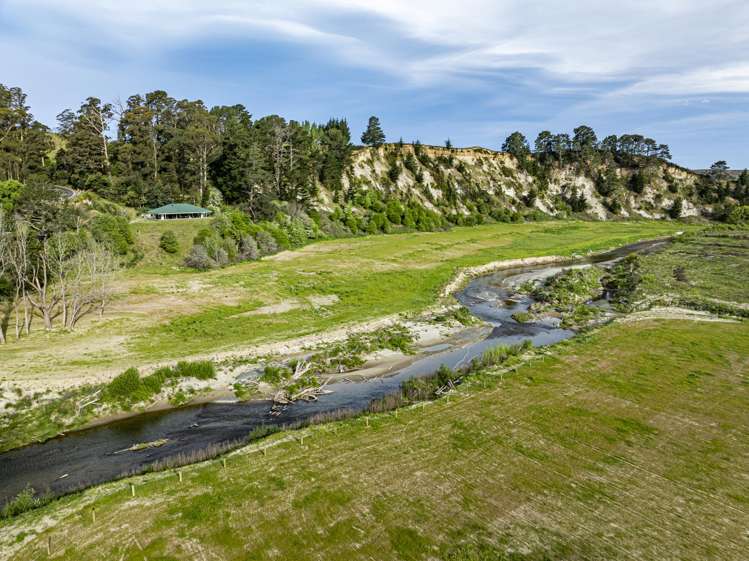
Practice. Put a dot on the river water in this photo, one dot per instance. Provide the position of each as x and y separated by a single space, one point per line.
99 454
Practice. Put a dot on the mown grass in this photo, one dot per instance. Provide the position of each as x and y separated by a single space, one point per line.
630 439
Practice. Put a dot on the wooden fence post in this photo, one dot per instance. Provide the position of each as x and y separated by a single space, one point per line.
132 490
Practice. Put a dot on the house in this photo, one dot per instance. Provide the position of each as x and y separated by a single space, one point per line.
177 210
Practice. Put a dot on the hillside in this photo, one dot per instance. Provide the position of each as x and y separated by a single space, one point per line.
469 185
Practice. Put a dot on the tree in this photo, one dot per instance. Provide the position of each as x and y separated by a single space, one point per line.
718 171
562 144
373 136
544 143
336 141
676 208
10 191
517 145
198 140
24 142
448 144
86 152
584 139
610 144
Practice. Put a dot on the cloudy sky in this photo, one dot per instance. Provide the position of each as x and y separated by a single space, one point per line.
471 70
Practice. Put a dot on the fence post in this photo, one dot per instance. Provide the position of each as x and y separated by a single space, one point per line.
132 489
93 515
49 546
179 474
223 462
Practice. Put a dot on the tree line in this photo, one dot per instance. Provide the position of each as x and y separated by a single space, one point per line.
153 149
584 141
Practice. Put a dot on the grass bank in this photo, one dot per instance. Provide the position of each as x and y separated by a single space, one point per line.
163 313
630 439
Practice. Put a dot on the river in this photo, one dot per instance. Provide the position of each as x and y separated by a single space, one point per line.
99 454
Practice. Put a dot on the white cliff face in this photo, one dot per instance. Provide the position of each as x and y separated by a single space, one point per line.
457 180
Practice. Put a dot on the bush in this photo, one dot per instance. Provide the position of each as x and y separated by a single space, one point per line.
248 249
266 243
676 208
198 258
168 242
201 370
25 500
739 215
124 386
113 231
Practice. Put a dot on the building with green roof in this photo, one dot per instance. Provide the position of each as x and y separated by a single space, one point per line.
177 210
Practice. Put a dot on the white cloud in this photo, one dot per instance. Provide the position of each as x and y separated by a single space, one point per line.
649 45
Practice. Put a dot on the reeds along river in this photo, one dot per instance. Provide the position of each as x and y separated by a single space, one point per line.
88 457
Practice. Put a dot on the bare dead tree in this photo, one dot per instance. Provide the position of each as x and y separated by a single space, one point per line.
88 282
43 296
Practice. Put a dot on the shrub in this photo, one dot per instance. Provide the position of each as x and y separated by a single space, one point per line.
113 231
201 370
676 208
275 374
124 386
248 249
739 215
266 243
198 258
25 500
168 242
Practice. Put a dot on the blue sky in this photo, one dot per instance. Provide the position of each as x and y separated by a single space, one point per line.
474 70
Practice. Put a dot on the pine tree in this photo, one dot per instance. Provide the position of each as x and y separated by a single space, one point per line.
373 136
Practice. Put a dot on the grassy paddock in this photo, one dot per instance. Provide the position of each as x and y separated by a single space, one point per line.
165 314
631 439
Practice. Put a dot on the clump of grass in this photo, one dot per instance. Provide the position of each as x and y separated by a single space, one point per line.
25 500
129 388
622 282
275 374
262 431
200 370
522 317
460 315
570 288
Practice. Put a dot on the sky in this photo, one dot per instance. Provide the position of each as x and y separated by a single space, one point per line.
469 70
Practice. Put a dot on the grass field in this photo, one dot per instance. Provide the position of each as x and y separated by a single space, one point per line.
166 313
712 267
629 443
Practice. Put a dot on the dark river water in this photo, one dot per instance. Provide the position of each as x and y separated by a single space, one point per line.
97 455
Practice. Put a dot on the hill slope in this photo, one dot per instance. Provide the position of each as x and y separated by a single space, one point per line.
465 184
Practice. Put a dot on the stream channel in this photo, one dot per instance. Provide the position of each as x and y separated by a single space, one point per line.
99 454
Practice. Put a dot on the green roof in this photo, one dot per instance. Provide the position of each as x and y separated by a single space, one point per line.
179 208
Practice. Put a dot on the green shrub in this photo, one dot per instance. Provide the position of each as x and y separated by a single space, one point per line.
201 370
113 231
124 386
275 374
25 500
739 215
168 242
